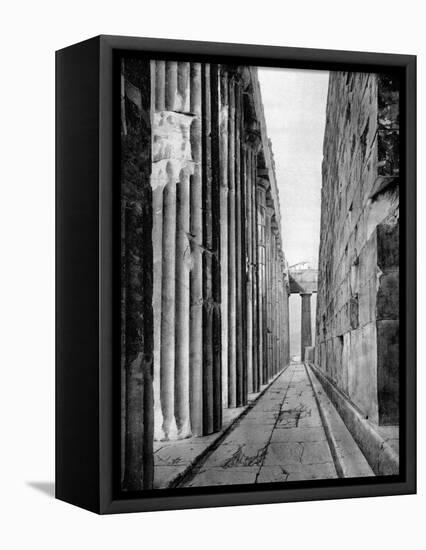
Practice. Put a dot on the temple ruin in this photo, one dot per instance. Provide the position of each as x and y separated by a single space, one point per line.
205 284
218 274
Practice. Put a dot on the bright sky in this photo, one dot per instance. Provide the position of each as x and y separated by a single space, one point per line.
294 103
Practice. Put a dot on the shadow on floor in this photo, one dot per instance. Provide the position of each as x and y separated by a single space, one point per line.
46 487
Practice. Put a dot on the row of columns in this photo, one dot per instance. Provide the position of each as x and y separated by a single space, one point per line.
220 298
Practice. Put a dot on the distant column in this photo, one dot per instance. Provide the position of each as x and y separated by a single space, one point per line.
254 230
286 320
261 262
274 302
306 336
249 268
268 242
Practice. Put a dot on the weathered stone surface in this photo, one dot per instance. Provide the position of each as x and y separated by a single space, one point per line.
381 454
306 330
358 284
388 371
201 201
253 453
256 453
136 280
347 456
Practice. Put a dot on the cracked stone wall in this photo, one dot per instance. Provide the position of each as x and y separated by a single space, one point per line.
357 318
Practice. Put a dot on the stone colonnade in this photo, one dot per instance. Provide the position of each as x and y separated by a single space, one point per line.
217 275
220 295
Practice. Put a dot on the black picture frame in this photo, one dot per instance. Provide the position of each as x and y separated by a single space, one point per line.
86 278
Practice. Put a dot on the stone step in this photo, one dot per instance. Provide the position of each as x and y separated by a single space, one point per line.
348 458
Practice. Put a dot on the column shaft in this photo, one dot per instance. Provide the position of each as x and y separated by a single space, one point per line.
262 306
171 79
268 246
196 281
249 268
223 161
183 258
232 295
207 254
272 305
255 274
168 319
241 382
160 85
157 238
216 251
306 328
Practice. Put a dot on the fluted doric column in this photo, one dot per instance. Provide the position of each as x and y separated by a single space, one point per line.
171 171
183 263
196 279
249 269
306 328
268 233
252 142
286 294
183 259
168 312
224 160
216 249
239 249
255 291
262 185
273 295
212 395
232 266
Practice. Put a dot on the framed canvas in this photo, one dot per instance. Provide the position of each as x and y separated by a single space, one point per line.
235 274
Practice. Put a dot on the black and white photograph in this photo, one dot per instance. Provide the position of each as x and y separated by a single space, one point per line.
213 242
259 274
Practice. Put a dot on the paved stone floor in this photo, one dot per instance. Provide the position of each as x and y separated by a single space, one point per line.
280 439
173 459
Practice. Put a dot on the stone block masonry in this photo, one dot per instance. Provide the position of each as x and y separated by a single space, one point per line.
357 319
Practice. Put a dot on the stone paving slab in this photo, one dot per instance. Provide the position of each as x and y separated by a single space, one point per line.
295 472
305 452
280 439
298 434
172 459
